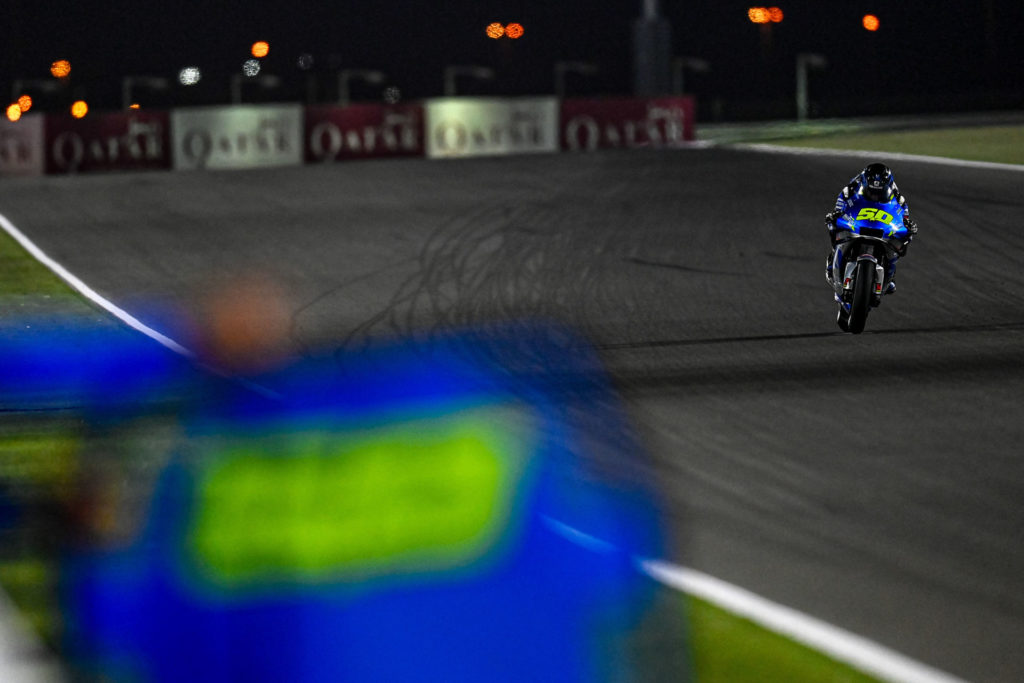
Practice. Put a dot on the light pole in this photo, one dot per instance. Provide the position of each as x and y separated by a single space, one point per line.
680 64
347 75
562 68
19 86
129 82
451 72
263 81
310 89
805 61
652 52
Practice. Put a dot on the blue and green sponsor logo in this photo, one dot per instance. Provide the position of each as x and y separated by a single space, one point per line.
321 506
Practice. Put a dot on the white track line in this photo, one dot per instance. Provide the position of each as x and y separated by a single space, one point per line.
88 292
860 653
23 659
841 645
898 156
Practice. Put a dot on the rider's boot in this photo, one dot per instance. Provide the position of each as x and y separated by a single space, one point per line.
890 286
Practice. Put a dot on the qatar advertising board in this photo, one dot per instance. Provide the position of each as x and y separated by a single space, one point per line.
485 126
241 136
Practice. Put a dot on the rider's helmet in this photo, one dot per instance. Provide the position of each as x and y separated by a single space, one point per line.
876 183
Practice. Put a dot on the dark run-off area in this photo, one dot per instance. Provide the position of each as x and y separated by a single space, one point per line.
872 481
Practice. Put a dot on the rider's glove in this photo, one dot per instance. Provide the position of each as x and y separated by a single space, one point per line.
911 225
830 219
830 223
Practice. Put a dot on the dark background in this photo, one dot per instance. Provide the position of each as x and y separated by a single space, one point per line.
943 55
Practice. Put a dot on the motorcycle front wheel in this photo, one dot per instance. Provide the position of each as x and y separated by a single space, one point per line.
860 304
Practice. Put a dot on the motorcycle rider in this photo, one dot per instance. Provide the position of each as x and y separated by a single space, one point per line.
875 183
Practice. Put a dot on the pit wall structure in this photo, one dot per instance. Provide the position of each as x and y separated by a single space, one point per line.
267 135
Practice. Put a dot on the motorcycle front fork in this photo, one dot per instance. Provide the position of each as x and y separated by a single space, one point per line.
837 269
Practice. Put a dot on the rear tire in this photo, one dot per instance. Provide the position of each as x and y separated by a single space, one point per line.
863 288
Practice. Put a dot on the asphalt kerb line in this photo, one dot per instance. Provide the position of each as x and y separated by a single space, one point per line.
856 651
868 154
841 645
23 658
88 292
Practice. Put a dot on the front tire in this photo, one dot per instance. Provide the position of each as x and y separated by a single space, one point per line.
863 288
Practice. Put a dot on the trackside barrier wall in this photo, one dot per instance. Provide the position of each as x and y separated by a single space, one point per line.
243 136
21 146
484 126
363 131
250 136
111 142
626 123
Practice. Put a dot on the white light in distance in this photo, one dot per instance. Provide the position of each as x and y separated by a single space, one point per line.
251 67
190 75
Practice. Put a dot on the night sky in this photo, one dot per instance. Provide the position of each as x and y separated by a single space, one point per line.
927 56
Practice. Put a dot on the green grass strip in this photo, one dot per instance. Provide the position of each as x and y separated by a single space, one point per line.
32 586
1003 144
22 275
729 649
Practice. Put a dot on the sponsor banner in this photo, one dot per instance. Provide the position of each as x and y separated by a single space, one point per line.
477 126
363 131
626 123
108 142
245 136
21 146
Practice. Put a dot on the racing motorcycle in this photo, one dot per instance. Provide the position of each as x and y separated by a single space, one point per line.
869 235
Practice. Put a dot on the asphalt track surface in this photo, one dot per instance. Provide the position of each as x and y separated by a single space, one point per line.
874 481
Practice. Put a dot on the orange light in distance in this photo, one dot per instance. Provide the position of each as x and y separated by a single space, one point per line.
134 105
61 68
14 112
870 22
514 31
79 109
758 15
260 48
495 30
24 103
775 14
